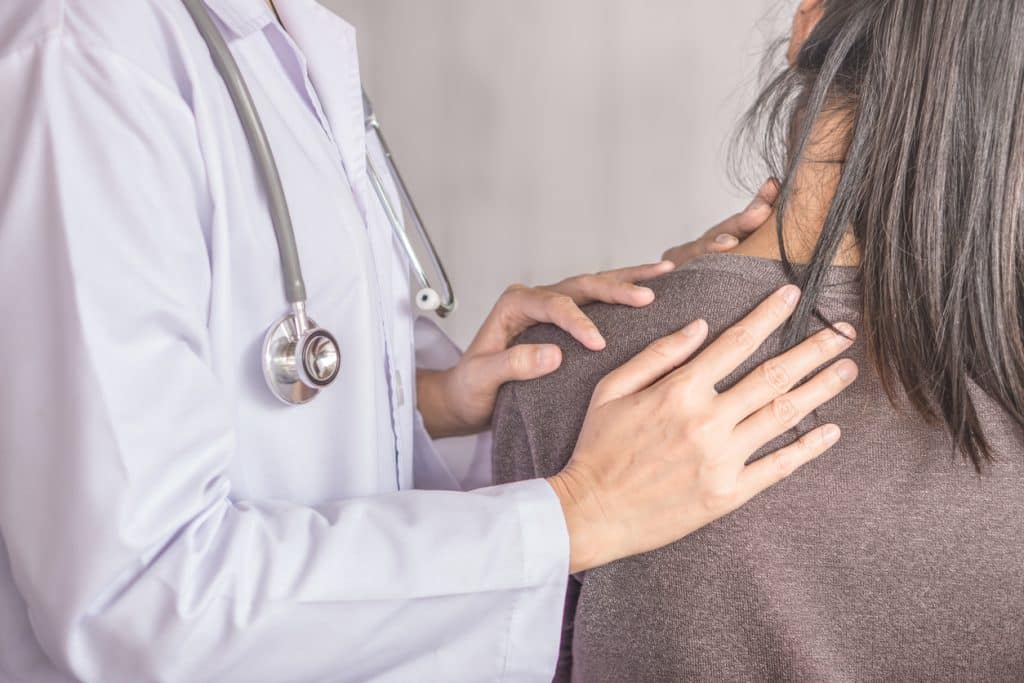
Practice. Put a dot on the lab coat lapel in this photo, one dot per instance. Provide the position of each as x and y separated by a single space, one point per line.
329 44
332 62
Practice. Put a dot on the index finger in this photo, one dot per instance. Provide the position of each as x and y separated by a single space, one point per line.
614 286
646 367
736 344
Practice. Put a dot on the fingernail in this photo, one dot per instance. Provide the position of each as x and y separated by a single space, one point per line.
831 434
645 294
790 294
847 334
838 341
667 265
726 240
694 329
847 329
847 370
546 358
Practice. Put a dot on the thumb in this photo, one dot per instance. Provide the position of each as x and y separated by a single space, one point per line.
760 208
526 361
766 196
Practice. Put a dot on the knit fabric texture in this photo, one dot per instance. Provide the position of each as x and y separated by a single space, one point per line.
888 558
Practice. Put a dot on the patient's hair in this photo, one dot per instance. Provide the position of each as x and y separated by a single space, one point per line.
932 187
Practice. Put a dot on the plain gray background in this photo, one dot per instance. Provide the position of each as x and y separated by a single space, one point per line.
545 138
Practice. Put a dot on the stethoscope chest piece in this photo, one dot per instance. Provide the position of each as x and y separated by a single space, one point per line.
299 359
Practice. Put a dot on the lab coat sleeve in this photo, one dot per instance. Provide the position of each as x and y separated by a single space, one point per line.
134 560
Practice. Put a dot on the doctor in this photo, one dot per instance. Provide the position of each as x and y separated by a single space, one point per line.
163 516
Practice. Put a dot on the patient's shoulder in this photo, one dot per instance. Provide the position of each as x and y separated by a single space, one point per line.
718 288
549 411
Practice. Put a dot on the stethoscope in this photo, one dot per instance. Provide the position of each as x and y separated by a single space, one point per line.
299 357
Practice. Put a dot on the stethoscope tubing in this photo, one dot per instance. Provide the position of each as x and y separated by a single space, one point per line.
291 269
299 358
447 303
294 285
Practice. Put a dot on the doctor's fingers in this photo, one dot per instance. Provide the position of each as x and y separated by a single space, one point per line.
787 411
739 225
522 307
753 216
730 232
519 363
776 376
740 341
774 467
613 286
648 366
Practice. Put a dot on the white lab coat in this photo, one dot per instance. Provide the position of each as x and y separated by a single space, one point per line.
162 516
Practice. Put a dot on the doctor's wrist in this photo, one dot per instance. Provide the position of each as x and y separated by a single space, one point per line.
590 542
436 400
442 398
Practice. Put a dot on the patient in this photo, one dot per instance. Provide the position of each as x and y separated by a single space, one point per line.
898 134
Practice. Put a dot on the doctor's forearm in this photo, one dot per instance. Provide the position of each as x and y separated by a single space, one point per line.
434 403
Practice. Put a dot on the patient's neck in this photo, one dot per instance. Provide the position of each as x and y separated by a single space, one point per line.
813 188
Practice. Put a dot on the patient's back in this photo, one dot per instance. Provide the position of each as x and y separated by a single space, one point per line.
887 558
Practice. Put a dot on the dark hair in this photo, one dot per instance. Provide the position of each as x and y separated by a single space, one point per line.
932 187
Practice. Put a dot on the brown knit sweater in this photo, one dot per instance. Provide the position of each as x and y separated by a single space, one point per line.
888 558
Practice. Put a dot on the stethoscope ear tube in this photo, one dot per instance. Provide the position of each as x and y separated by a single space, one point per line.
428 297
299 358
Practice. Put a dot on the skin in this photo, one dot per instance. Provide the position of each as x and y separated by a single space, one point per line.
460 401
807 16
813 187
651 491
815 179
661 452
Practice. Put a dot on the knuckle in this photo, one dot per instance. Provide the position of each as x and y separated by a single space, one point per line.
698 430
833 384
785 462
785 412
807 443
774 374
677 392
661 349
513 289
561 302
825 343
741 337
719 495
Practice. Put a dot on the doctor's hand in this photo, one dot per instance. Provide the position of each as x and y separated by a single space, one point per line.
729 233
461 400
662 453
